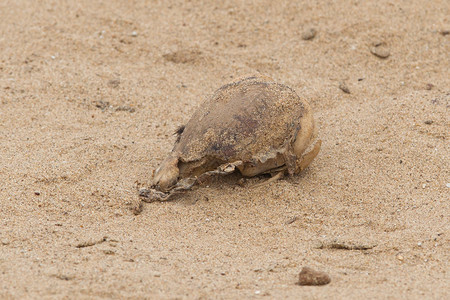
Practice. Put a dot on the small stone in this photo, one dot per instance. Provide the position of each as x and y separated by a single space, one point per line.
448 185
344 88
445 32
344 244
114 83
137 208
309 34
103 105
126 108
400 257
134 34
63 277
380 50
37 193
291 220
309 276
429 86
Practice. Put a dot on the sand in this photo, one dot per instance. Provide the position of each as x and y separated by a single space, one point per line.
91 92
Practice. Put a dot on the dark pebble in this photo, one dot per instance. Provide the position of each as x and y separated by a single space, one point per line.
309 34
344 88
309 276
380 50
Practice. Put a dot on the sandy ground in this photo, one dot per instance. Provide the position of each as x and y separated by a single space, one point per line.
91 92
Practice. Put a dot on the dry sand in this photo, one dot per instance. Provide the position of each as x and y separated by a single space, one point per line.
91 91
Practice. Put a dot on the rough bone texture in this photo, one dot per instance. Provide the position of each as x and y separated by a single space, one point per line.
254 124
250 120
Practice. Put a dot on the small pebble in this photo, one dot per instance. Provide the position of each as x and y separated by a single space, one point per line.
428 122
37 193
134 34
400 257
125 108
291 220
309 34
114 83
429 86
344 88
448 185
63 277
380 50
445 32
309 276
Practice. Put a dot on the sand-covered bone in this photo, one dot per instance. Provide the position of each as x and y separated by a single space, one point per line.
253 124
